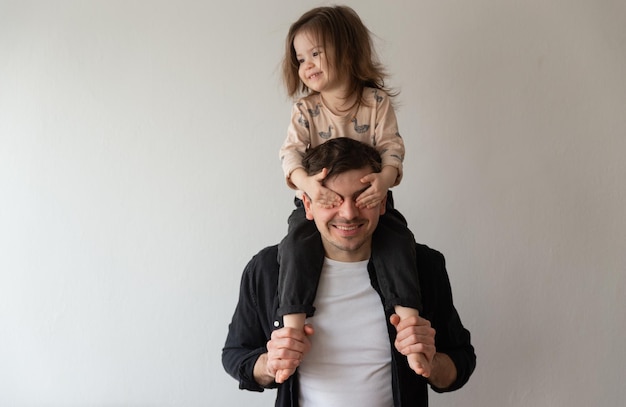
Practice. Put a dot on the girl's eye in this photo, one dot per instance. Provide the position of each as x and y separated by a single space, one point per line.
300 61
316 53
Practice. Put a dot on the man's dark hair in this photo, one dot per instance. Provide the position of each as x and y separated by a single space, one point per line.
340 155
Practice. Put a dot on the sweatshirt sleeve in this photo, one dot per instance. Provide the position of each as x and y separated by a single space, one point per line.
387 139
297 142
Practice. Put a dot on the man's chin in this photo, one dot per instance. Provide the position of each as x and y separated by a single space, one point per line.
348 246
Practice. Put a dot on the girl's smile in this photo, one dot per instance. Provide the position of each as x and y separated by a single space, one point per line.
314 70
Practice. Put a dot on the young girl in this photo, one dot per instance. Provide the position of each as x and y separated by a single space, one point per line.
330 60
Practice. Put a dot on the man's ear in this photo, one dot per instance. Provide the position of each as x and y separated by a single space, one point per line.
383 206
307 206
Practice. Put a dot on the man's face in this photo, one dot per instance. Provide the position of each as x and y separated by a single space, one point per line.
346 230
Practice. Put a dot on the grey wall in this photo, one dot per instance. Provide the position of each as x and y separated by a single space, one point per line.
139 174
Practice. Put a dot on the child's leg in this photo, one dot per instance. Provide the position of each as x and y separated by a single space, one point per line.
301 257
393 255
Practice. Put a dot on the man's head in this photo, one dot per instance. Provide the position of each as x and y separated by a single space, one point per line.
340 155
346 229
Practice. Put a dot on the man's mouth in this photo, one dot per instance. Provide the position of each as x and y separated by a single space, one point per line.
352 227
349 230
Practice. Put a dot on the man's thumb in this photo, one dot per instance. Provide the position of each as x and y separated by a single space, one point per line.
395 320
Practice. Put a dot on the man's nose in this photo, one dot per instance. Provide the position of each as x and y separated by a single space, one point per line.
348 209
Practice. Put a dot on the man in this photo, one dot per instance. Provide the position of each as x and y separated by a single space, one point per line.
360 360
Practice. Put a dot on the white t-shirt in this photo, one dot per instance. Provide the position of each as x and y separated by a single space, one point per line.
350 359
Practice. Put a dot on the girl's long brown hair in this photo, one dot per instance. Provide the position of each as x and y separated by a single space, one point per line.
340 30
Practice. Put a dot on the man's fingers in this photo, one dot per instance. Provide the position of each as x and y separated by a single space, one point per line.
281 369
287 347
415 335
419 364
413 321
282 353
421 345
288 334
427 350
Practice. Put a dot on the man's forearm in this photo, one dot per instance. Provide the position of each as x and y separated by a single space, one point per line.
443 372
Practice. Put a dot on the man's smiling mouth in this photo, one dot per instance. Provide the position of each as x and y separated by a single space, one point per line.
347 228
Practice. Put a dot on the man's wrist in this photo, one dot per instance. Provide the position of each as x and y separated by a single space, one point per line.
443 372
261 375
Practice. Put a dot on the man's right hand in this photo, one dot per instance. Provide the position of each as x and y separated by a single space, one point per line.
285 351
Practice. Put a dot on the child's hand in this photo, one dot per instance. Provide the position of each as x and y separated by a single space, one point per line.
373 195
319 194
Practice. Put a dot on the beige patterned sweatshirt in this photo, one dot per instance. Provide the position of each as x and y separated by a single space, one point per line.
312 123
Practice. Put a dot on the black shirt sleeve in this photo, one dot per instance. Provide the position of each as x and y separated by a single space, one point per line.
451 336
250 327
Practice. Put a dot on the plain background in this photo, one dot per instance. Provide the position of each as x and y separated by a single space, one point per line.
139 173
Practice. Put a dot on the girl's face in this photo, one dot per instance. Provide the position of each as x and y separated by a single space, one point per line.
314 70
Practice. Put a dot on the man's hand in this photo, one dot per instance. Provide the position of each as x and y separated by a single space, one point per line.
416 340
285 351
